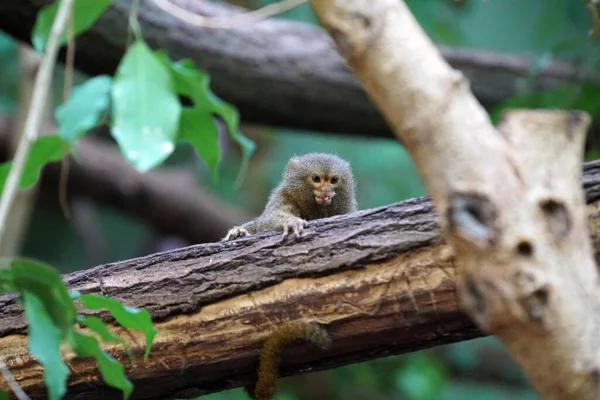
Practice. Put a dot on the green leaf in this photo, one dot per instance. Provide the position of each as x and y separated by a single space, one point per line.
129 317
44 343
99 327
199 130
44 150
46 284
422 378
85 13
3 395
197 125
112 370
84 109
145 107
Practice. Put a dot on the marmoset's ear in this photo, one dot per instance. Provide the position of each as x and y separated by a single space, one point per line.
293 162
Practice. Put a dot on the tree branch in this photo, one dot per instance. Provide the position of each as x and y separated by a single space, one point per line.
171 201
302 80
381 281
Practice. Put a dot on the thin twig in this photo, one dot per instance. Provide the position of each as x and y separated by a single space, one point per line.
63 185
12 382
69 72
233 21
134 25
35 114
70 59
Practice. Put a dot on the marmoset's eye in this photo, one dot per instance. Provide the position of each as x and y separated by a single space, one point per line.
316 179
334 180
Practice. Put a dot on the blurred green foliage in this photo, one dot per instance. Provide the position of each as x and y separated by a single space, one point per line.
84 14
9 74
51 316
547 29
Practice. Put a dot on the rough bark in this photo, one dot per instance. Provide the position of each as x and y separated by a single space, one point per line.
172 202
302 81
381 281
527 273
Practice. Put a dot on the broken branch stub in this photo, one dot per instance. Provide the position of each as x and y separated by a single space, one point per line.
509 201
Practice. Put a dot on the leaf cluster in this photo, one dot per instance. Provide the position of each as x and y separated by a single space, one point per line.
146 106
54 321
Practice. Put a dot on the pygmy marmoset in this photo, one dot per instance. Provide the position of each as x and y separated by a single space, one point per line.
314 185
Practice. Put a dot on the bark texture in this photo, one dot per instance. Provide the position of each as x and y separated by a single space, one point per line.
380 281
377 281
302 81
171 201
528 275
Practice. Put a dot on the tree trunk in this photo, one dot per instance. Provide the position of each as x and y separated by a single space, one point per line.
509 200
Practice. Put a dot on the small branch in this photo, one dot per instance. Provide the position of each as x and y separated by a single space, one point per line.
234 21
36 113
11 381
20 211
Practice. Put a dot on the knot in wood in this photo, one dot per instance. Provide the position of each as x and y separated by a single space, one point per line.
557 217
535 304
472 216
533 293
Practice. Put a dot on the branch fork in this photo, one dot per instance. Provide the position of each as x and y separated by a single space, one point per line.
509 199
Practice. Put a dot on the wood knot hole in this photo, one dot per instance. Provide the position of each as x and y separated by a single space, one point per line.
536 302
524 248
473 215
557 217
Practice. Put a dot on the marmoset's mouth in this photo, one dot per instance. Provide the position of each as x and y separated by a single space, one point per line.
323 198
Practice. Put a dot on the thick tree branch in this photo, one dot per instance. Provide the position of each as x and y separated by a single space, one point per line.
170 201
302 81
381 282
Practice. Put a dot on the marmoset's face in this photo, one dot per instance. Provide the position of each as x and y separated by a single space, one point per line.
323 187
318 176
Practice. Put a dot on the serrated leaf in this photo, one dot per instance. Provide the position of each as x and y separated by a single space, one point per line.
146 109
85 13
199 130
44 150
99 327
84 109
44 340
197 125
129 317
46 284
112 370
